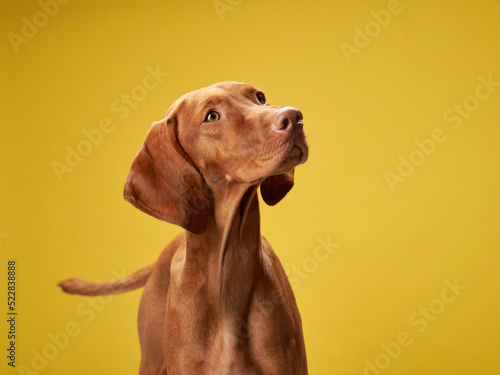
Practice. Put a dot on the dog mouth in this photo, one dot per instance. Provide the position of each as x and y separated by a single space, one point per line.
298 150
280 158
300 147
292 153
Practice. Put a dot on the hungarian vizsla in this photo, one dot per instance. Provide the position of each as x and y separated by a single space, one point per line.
217 301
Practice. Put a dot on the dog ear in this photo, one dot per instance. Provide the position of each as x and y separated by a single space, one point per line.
274 188
164 184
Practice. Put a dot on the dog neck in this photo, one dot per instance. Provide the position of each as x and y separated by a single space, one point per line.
228 252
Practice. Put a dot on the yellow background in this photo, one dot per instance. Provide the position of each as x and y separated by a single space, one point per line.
395 249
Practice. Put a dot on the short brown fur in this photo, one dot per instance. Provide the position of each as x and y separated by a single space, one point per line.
217 301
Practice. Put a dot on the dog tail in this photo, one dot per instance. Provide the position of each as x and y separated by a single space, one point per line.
93 288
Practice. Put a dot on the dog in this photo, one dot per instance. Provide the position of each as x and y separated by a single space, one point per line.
217 301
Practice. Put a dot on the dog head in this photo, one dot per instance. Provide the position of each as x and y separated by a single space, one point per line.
211 138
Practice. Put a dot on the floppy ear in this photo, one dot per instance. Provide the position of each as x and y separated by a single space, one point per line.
274 188
164 184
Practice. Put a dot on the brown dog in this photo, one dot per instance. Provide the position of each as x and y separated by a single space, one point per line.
217 301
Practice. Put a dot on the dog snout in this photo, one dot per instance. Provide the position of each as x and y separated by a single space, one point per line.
286 119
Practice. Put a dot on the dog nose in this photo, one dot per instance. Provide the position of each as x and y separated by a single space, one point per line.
287 118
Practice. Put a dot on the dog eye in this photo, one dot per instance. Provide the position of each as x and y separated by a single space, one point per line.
212 116
261 98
